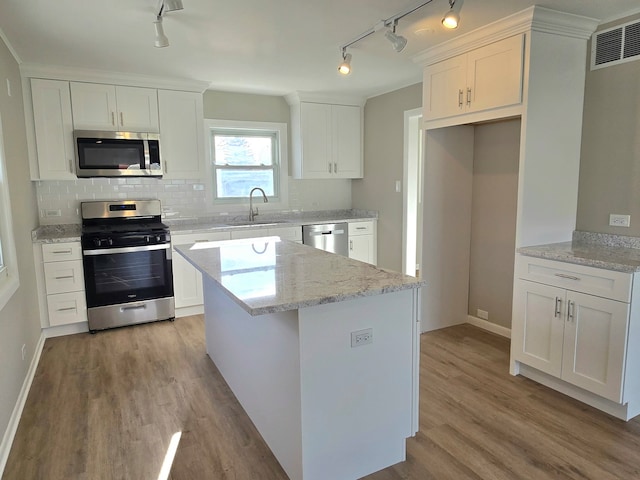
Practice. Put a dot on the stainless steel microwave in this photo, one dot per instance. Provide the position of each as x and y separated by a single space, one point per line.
117 154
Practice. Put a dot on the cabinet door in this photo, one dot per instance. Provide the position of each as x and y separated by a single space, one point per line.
66 308
595 341
187 280
315 126
181 134
361 248
54 129
444 88
538 326
346 141
137 109
93 106
494 75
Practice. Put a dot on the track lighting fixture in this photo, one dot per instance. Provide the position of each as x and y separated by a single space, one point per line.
450 20
164 6
398 41
345 67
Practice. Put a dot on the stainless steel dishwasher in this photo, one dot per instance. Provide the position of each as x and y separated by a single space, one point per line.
331 237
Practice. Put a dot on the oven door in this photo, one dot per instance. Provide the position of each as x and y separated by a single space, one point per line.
127 274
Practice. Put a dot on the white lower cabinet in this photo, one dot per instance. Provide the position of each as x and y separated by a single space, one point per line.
187 281
362 241
293 234
62 290
561 328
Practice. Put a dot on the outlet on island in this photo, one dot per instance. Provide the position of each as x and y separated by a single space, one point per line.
362 337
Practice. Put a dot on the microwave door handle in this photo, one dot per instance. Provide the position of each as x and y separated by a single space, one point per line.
147 155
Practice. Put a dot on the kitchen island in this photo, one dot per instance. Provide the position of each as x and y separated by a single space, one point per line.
321 351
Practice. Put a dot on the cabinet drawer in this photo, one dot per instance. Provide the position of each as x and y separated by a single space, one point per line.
56 252
62 277
189 238
65 308
361 228
578 278
287 233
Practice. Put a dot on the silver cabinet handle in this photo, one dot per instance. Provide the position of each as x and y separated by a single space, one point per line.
134 307
70 166
329 167
460 98
568 277
361 228
570 308
122 119
335 167
60 252
558 306
166 166
64 277
350 244
468 97
66 309
113 119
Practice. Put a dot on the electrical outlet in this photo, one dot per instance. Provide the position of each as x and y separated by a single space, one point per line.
482 314
52 213
24 351
619 220
362 337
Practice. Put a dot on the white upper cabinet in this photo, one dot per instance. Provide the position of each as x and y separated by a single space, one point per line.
485 78
114 108
53 130
327 140
181 134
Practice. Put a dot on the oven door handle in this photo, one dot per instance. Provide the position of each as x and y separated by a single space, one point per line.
111 251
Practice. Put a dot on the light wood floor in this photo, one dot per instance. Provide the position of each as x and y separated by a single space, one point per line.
105 407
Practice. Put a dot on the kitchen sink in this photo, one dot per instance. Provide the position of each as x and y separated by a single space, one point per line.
256 223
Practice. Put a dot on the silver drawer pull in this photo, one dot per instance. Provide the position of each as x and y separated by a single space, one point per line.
66 309
558 307
361 228
61 252
64 278
133 307
568 277
201 241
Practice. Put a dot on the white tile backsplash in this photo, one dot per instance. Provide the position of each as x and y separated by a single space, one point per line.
183 198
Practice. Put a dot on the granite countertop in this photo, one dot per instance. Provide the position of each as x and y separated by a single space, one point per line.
610 252
272 275
71 232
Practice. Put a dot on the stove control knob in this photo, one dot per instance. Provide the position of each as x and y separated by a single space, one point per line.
110 241
158 238
97 242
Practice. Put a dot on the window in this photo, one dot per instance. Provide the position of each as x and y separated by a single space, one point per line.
8 261
244 155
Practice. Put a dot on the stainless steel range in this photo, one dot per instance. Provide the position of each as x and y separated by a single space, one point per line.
126 252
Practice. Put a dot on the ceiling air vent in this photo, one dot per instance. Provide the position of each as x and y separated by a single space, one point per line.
615 45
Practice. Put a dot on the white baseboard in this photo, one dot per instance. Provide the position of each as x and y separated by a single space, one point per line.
490 327
187 311
14 420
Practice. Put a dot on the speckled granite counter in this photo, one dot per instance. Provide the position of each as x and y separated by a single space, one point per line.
610 252
71 232
276 276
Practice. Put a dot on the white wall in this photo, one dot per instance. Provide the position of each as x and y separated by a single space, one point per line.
19 319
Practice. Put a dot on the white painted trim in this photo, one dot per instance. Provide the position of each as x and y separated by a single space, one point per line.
33 70
14 420
488 326
62 330
188 311
10 48
409 115
534 18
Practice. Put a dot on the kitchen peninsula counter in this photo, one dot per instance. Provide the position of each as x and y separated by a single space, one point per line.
321 351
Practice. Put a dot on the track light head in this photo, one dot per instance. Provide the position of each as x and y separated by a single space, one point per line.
451 18
161 38
398 41
345 67
172 5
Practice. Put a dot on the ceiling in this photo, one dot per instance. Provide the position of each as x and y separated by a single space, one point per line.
258 46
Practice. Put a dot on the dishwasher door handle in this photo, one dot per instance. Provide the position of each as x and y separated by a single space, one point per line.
330 232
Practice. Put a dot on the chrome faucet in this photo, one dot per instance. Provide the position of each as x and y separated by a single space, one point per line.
253 214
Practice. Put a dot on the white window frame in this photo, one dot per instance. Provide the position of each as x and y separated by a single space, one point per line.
280 129
9 278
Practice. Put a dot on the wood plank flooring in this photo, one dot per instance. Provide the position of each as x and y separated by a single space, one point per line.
105 406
